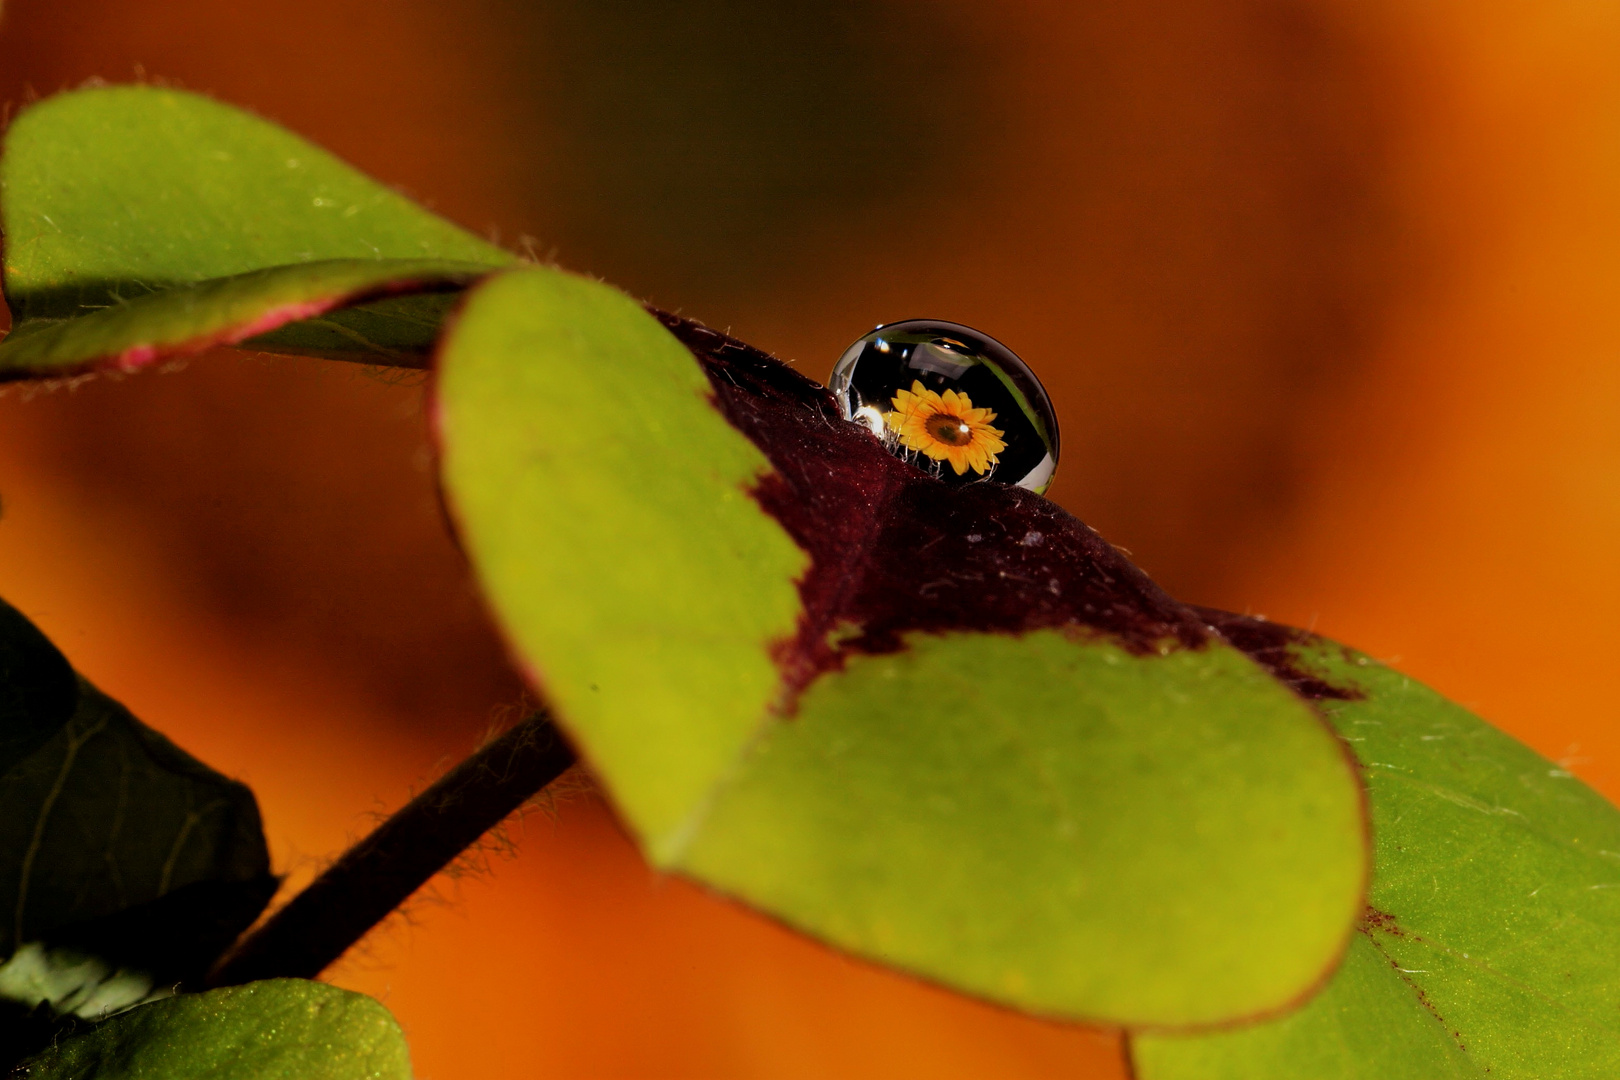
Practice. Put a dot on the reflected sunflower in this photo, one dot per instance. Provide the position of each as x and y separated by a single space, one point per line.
946 427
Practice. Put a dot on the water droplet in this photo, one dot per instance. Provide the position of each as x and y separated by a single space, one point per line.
957 403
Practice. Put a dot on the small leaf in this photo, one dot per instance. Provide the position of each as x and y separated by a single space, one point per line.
948 729
38 689
169 223
224 311
281 1029
115 842
1490 943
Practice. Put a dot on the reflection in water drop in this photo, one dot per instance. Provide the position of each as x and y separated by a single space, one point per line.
957 403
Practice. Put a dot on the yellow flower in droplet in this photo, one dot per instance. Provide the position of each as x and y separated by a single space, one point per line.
946 427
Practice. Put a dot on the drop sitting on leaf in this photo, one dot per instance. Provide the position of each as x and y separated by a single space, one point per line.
940 393
946 427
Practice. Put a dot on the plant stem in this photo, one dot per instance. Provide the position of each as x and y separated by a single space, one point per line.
379 873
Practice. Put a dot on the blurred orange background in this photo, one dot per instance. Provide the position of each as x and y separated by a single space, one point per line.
1324 292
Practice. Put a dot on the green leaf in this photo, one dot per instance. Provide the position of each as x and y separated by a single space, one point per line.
280 1029
1055 824
226 311
167 223
607 503
38 689
948 729
1492 935
116 843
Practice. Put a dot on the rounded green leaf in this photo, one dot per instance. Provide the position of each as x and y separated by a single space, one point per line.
280 1029
605 501
1052 823
1112 816
134 197
1491 943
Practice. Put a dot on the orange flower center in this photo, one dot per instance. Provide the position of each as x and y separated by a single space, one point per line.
948 429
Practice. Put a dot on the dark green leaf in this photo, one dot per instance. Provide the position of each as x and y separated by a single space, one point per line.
126 206
38 689
281 1029
1491 946
116 842
948 729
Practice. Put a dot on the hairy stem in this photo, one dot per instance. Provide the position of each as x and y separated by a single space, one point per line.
379 873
